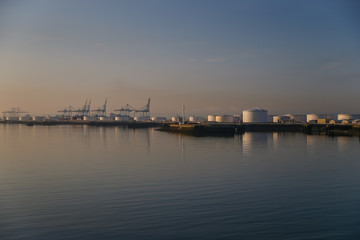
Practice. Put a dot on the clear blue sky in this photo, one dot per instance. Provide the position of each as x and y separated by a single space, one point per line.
213 56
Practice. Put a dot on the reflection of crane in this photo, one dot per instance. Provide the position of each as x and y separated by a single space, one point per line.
125 111
101 110
13 112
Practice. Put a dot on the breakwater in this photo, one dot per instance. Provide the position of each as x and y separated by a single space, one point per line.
212 129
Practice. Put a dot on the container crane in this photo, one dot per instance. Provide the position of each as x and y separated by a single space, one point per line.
101 110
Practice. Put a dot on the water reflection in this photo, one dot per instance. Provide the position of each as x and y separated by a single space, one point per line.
254 141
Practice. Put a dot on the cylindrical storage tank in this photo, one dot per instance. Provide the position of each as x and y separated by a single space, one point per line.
219 119
343 116
25 118
159 119
142 119
174 119
12 118
191 119
86 118
255 115
228 119
292 117
211 118
38 118
276 119
103 118
312 117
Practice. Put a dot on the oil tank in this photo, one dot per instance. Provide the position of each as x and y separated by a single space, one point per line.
219 119
12 118
211 118
255 115
141 119
313 117
282 118
276 119
122 118
38 118
343 116
191 119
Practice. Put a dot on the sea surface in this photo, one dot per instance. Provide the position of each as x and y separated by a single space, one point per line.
80 182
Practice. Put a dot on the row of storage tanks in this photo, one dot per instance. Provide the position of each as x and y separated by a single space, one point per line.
253 115
258 115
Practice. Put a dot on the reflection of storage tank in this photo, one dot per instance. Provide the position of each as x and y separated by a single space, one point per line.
211 118
343 116
255 115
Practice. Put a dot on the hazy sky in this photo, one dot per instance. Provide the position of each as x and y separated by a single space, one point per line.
212 56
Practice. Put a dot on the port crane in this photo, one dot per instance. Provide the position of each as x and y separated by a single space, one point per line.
144 111
127 110
84 110
101 111
67 112
13 112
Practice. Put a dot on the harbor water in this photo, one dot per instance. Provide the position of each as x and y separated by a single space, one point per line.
90 182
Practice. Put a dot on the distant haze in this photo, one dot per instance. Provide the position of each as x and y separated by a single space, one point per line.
214 57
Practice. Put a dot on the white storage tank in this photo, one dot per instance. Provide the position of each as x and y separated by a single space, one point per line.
313 117
141 119
219 119
255 115
25 118
211 118
12 118
38 118
122 118
191 119
343 116
103 118
281 118
174 119
276 119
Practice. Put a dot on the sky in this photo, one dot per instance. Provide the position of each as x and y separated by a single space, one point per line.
214 57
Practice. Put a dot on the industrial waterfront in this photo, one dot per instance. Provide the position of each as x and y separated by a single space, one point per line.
250 120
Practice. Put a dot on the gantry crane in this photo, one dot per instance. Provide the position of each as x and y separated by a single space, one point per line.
101 111
13 112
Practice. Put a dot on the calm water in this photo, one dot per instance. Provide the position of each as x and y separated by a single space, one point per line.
76 182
